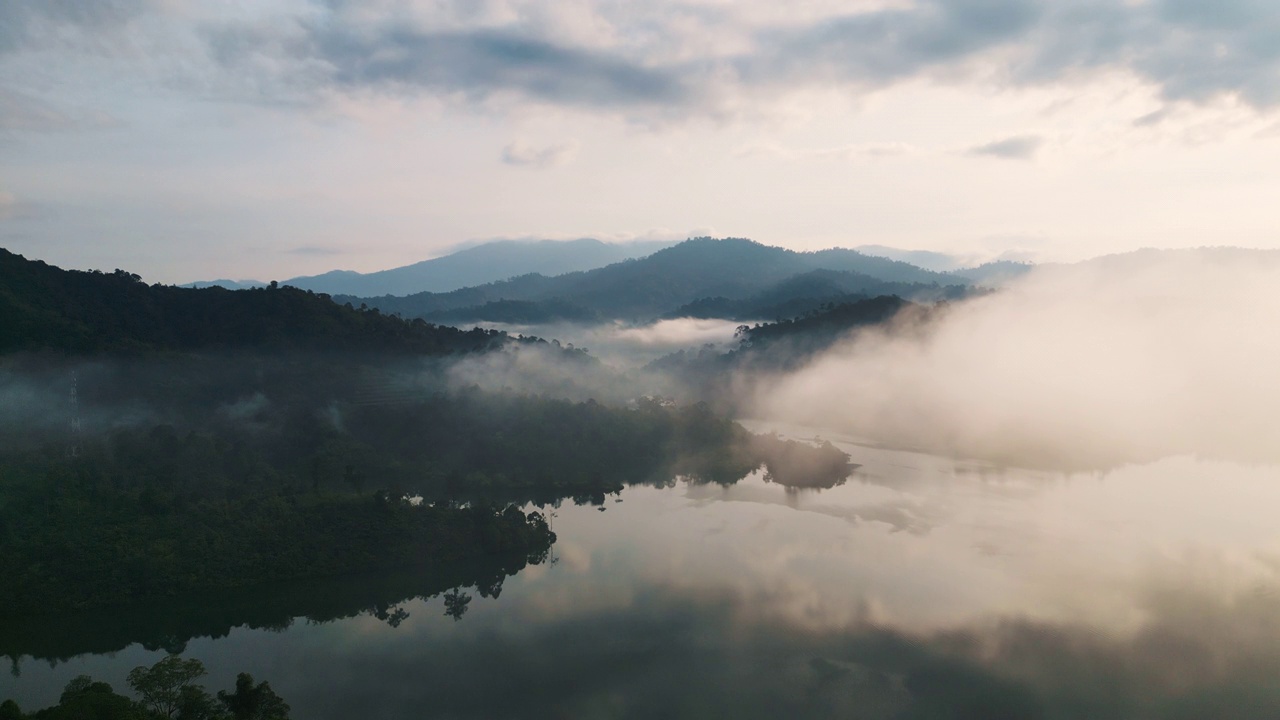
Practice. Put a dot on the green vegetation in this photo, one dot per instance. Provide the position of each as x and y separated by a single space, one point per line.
46 308
743 276
166 690
815 293
114 527
781 343
272 469
170 623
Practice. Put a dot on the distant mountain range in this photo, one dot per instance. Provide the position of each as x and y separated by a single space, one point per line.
486 263
927 259
500 260
729 277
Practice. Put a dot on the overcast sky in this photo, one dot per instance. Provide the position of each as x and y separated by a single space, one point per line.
187 139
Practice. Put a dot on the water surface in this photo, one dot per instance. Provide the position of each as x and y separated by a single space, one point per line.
922 587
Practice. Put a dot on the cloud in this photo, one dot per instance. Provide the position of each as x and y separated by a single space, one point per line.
475 64
314 251
677 651
1023 147
44 23
845 153
24 112
1128 358
8 205
520 153
13 207
669 58
1153 118
878 48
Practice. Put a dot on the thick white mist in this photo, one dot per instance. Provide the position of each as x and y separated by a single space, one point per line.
1122 359
627 346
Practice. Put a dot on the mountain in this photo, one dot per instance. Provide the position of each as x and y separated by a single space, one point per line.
643 289
43 307
927 259
477 265
228 284
990 274
811 292
993 274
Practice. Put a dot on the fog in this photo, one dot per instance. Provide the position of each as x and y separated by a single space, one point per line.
36 401
612 370
538 370
625 345
1121 359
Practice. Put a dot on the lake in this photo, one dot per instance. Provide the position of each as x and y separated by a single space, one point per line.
923 587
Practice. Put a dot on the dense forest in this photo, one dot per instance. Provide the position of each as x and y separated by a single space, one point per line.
163 510
46 308
159 510
813 293
166 691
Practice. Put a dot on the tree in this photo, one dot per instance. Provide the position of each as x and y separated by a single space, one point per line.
254 702
84 699
195 703
162 685
78 685
455 603
9 710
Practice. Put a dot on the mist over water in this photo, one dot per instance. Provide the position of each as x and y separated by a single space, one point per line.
612 370
1122 359
625 345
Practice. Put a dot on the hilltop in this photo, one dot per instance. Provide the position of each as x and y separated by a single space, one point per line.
43 307
729 270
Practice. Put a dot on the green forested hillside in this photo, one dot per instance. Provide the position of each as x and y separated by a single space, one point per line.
45 307
733 268
485 263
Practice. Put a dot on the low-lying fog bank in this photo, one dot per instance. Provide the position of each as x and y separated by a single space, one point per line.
624 345
1121 359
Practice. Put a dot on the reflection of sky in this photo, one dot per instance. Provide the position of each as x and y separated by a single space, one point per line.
918 579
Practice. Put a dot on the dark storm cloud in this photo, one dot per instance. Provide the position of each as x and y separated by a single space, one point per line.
1015 148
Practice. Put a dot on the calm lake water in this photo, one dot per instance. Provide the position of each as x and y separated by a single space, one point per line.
924 587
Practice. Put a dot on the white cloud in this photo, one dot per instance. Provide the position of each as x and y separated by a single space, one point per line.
1124 359
545 156
1022 147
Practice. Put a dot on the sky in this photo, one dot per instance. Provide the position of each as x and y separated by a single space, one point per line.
186 139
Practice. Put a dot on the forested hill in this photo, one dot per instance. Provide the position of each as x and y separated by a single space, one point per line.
45 307
486 263
730 268
787 345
